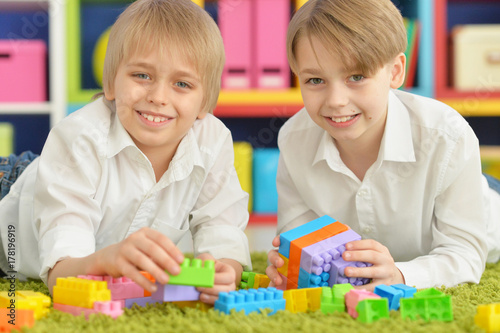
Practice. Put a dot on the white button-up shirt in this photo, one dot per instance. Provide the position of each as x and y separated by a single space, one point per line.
92 187
424 198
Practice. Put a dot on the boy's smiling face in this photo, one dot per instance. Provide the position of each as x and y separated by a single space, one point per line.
158 98
350 106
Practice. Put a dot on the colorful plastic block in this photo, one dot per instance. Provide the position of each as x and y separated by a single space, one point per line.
308 280
109 308
303 300
247 280
488 317
330 304
392 294
354 296
16 319
287 237
261 281
26 300
370 310
121 288
283 269
428 304
408 291
150 278
172 293
80 292
252 300
195 272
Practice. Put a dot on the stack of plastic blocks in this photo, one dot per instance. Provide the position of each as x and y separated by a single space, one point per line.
252 300
21 308
366 306
121 288
77 296
313 255
488 317
194 273
252 280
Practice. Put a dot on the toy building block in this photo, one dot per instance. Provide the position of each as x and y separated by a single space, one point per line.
333 299
195 272
354 296
287 237
80 292
140 301
308 280
408 291
150 278
302 300
252 300
247 280
271 64
26 300
121 288
172 293
16 319
236 23
109 308
261 281
428 304
285 285
488 317
283 269
370 310
392 294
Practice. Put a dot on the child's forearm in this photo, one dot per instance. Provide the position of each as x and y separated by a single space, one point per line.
237 268
68 267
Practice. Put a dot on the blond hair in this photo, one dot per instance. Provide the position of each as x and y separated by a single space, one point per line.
365 34
175 26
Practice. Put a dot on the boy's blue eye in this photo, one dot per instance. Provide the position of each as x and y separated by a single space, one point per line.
182 84
356 78
142 76
316 81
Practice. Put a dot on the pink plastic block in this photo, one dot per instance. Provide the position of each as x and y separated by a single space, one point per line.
121 288
174 293
353 297
235 24
110 308
271 64
23 75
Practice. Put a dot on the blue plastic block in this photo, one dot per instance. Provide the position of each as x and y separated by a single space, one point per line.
264 169
408 291
287 237
310 280
252 300
393 295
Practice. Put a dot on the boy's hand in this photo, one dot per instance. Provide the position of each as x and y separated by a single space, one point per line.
225 280
275 262
383 269
144 250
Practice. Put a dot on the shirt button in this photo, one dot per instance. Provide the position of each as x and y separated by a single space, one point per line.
367 230
362 193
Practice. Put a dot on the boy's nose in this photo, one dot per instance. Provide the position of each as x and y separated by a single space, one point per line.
338 96
158 94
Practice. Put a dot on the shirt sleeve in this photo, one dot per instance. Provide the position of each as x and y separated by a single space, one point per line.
66 213
459 247
220 215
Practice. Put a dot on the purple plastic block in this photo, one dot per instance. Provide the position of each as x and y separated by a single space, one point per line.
140 301
174 293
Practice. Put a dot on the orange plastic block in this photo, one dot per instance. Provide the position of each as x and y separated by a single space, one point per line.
26 300
150 278
488 317
80 292
16 319
298 244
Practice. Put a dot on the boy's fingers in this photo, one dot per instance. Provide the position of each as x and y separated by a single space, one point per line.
166 244
276 241
275 259
274 276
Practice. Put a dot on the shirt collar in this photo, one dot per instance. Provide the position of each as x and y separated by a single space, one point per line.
397 141
119 138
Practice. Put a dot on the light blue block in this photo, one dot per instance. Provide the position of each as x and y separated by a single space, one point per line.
265 167
287 237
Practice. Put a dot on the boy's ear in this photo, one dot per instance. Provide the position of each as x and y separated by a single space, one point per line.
398 71
202 113
109 94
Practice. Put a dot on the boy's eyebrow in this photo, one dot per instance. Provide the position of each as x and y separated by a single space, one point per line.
184 73
313 71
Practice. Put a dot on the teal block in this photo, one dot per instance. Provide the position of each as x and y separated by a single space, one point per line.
264 170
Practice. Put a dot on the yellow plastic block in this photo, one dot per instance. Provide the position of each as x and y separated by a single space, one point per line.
261 281
243 153
300 3
80 292
283 269
200 3
488 317
296 300
6 139
26 300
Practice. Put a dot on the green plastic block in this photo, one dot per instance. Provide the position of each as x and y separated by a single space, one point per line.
195 273
339 291
329 304
6 139
247 280
372 309
428 304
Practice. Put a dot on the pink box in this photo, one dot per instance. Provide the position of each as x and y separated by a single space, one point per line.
235 23
271 64
23 75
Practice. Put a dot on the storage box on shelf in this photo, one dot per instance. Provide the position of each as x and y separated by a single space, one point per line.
483 99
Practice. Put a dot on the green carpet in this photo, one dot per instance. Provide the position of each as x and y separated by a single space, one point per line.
169 318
